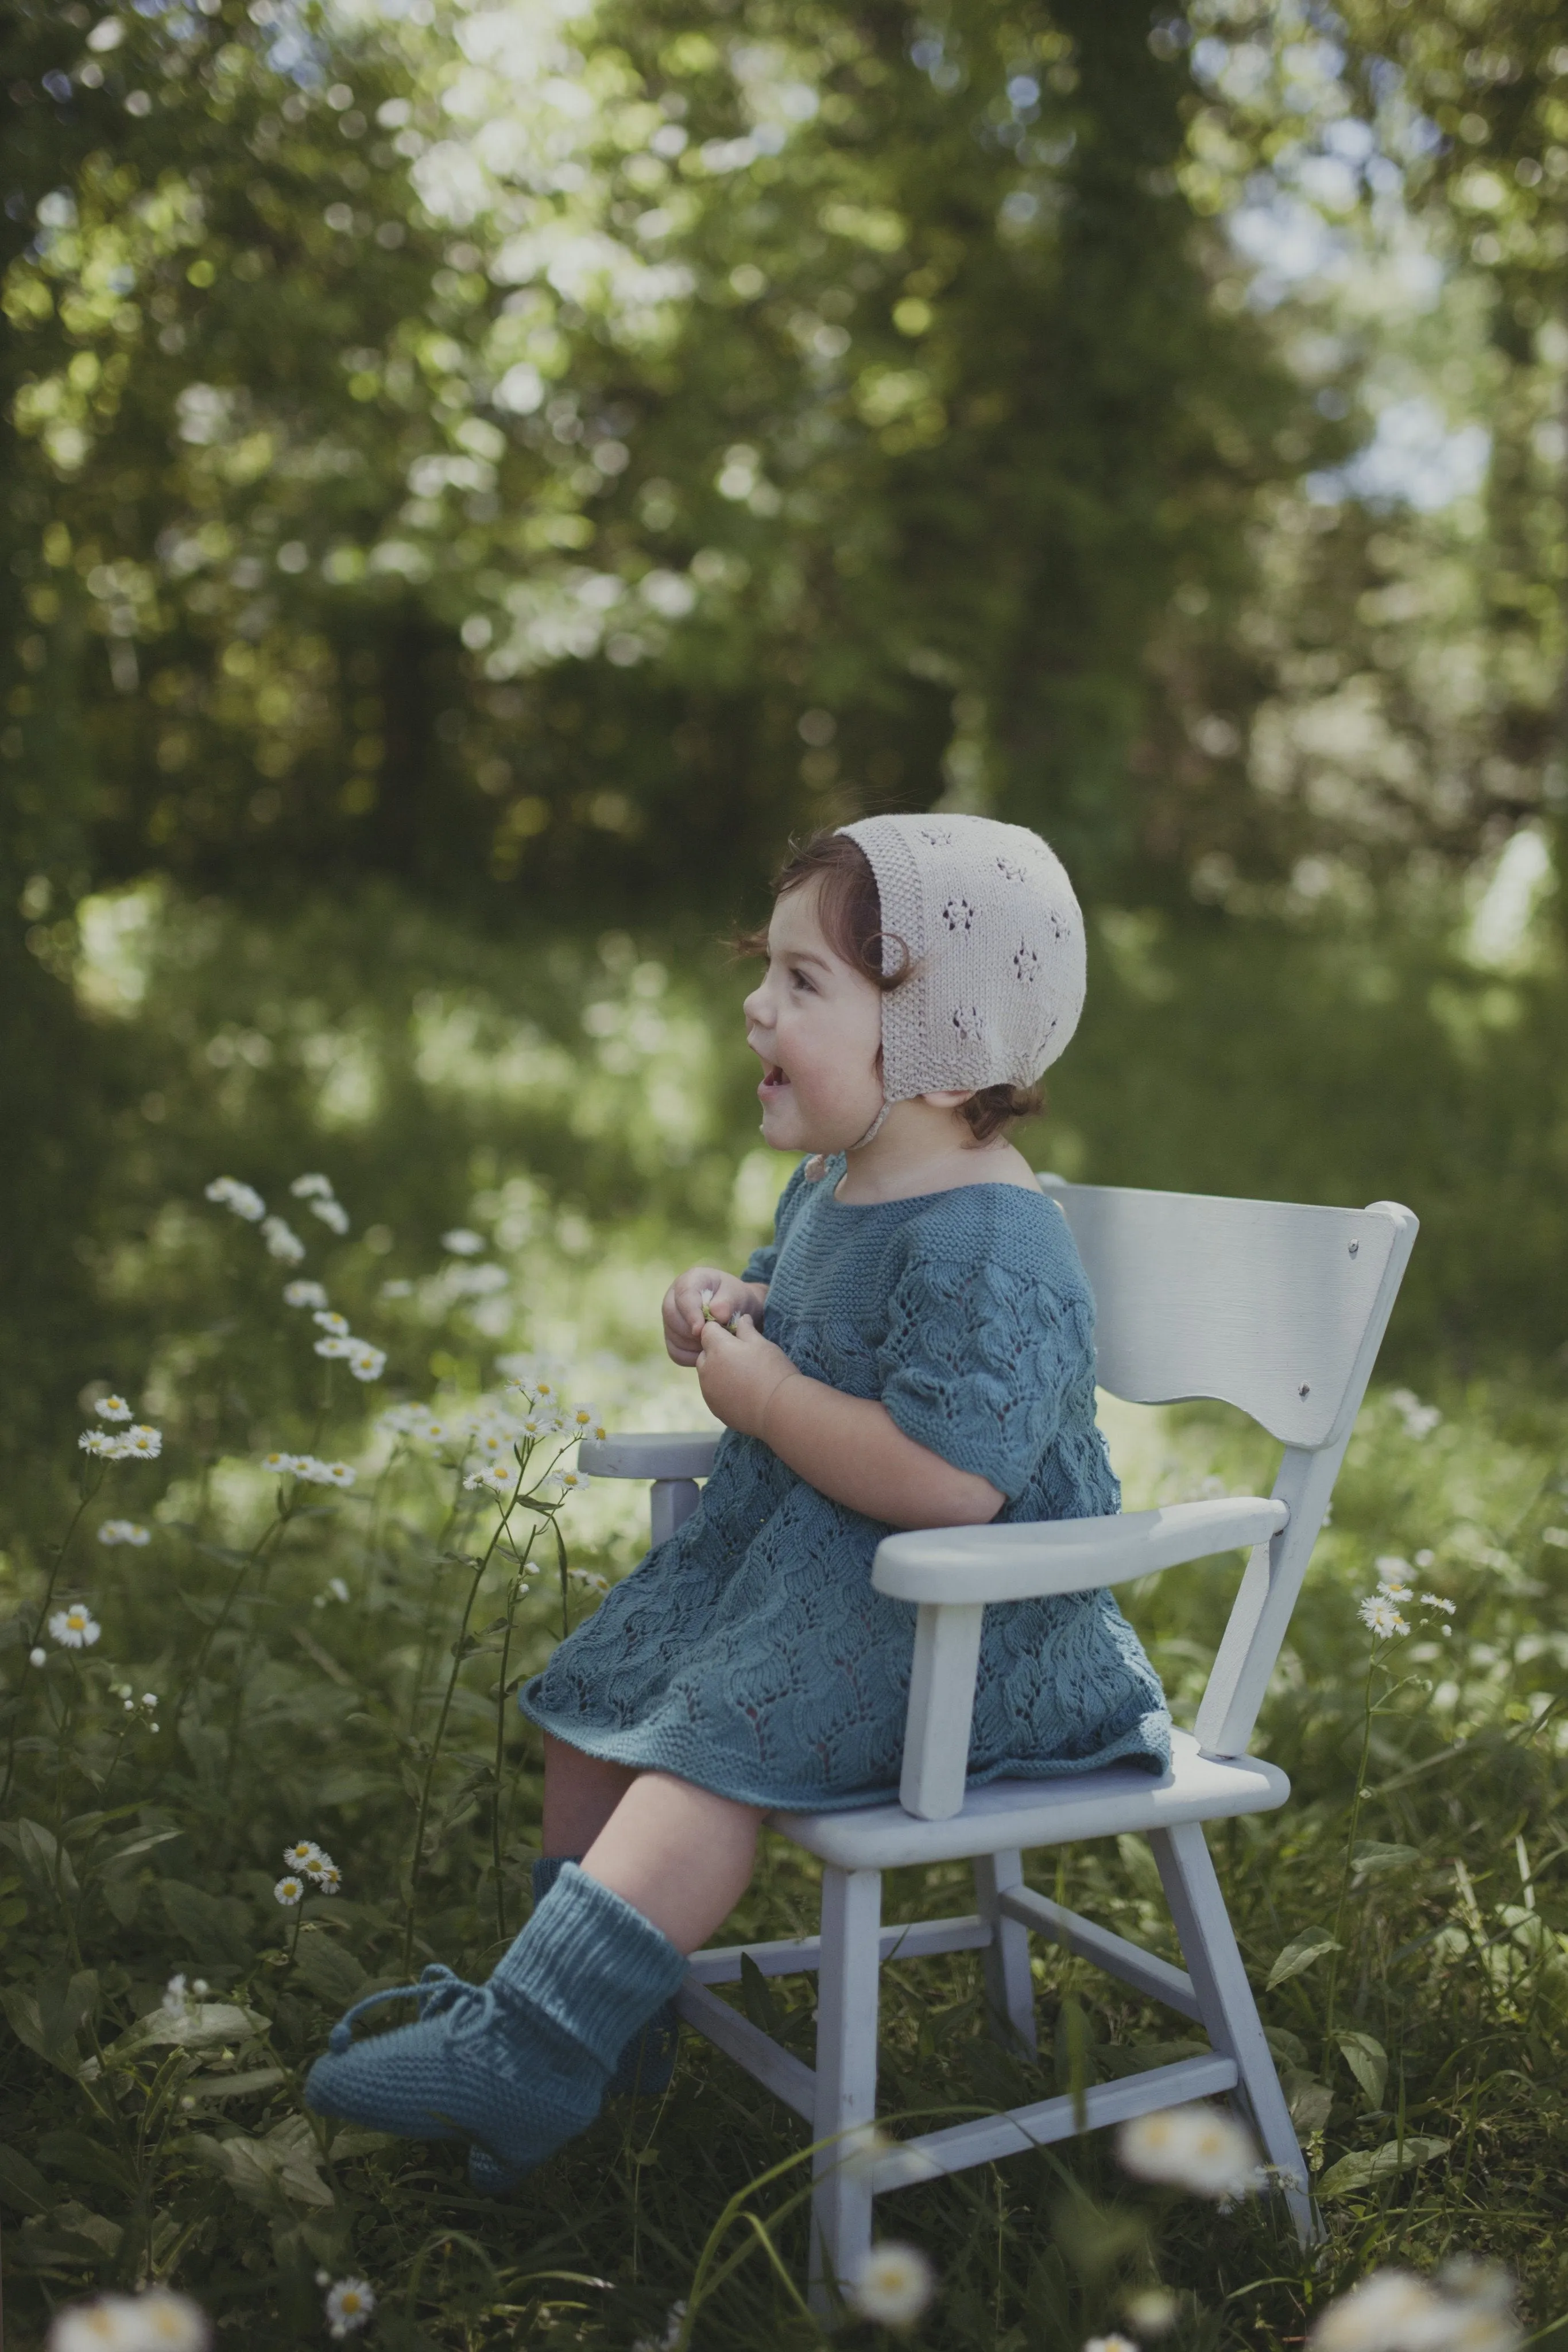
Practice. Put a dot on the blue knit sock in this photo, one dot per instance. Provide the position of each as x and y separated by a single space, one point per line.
645 2067
520 2064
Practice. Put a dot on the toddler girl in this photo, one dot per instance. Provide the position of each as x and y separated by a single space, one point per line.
914 1349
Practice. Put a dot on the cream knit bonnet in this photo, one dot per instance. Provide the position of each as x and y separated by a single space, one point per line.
995 938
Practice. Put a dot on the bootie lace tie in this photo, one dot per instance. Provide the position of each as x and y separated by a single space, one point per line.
439 1988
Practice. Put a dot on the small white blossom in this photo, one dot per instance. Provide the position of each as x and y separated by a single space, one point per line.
1390 2311
140 1443
328 1877
536 1426
332 1213
289 1891
589 1579
1420 1419
545 1391
176 1997
339 1475
301 1854
462 1243
150 1701
156 2320
36 1658
573 1481
113 1408
282 1241
304 1294
75 1628
1110 2343
284 1465
102 1441
311 1188
1380 1617
124 1531
1196 2147
331 1321
241 1198
365 1362
335 1348
337 1588
892 2285
1391 1568
349 2304
1153 2310
492 1478
863 2149
1436 1600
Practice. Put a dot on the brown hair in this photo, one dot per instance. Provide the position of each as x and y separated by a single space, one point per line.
850 913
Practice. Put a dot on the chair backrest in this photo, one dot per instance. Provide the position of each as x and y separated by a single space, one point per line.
1267 1305
1263 1304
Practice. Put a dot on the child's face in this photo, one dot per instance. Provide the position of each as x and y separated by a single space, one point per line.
815 1023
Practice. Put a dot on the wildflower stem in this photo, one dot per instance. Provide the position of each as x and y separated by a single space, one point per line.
91 1488
514 1596
417 1857
1349 1863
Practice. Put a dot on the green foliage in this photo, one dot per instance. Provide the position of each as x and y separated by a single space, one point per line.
153 2133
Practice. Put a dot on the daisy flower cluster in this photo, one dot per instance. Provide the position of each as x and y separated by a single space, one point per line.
314 1472
337 1344
306 1865
1197 2148
156 2320
1382 1612
1468 2307
319 1197
116 1442
146 1706
124 1531
349 2304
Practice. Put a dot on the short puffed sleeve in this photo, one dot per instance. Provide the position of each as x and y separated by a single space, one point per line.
760 1265
988 1339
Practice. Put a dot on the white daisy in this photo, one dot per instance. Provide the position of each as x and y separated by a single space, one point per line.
312 1188
333 1214
350 2305
304 1294
124 1531
331 1321
338 1473
141 1442
289 1891
301 1854
102 1441
1196 2148
1110 2343
491 1478
589 1578
1436 1600
75 1628
365 1362
338 1349
329 1878
892 2285
242 1199
113 1408
1390 2308
176 1997
1379 1615
573 1481
284 1465
282 1241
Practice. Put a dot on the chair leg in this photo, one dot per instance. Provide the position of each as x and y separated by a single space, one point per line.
1229 2012
846 2079
1010 1986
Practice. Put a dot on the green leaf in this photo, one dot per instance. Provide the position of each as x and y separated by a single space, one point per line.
195 2025
22 2185
1368 2061
1359 2170
285 2163
82 2158
42 1857
757 1996
1371 1857
47 2018
1299 1954
331 1971
209 1926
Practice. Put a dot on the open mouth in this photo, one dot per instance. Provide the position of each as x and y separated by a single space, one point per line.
772 1083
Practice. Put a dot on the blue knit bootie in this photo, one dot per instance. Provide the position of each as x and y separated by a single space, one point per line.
520 2064
647 2066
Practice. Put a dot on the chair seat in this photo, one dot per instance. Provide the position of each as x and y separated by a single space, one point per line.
1011 1815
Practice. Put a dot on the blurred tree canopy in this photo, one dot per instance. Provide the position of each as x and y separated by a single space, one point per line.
533 456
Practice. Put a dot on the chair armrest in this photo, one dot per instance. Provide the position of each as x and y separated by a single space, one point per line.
661 1454
1026 1561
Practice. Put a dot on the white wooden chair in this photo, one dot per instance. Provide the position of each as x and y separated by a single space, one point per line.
1275 1309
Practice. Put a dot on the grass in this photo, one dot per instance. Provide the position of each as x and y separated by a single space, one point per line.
1424 2056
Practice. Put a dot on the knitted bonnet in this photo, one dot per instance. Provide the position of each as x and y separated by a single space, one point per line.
995 936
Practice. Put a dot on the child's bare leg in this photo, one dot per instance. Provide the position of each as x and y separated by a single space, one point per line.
581 1793
678 1853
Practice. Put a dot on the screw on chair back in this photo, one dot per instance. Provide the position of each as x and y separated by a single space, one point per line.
1277 1309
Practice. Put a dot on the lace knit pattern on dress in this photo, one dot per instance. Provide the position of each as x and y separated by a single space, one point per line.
750 1654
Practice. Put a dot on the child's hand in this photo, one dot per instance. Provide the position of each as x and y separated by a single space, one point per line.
739 1370
701 1294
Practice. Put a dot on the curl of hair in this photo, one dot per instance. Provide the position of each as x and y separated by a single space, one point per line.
850 911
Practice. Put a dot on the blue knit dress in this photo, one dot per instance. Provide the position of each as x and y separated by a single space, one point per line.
749 1654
